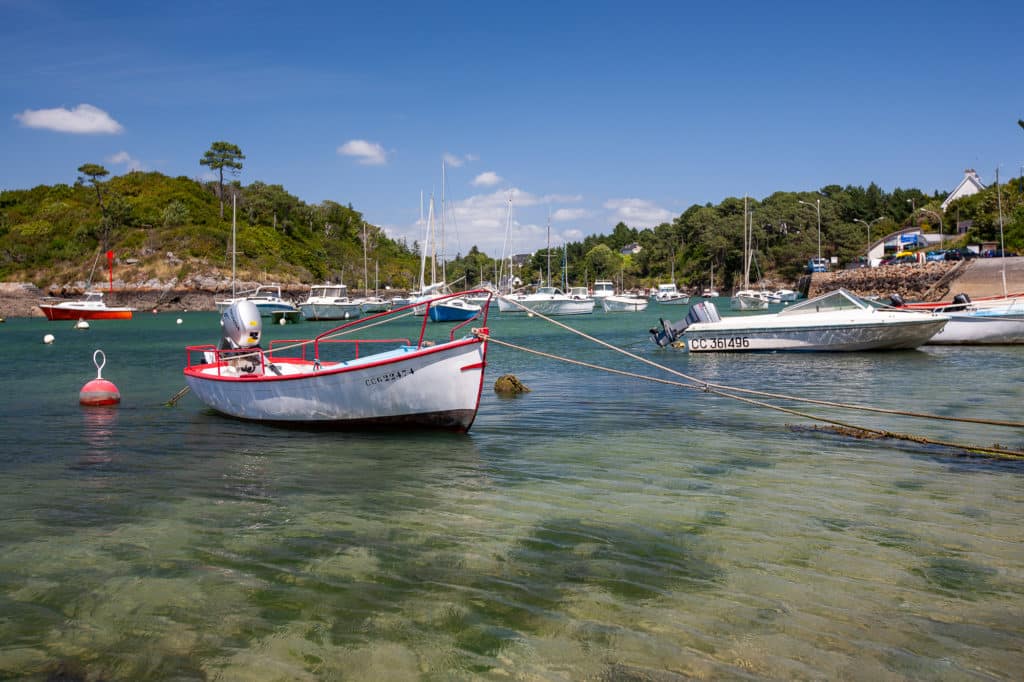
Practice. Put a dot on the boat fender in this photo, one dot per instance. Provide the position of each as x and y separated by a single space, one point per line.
99 392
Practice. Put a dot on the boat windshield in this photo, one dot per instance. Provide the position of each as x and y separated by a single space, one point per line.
549 291
666 288
93 297
840 299
603 286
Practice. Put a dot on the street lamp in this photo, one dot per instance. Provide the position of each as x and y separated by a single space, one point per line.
925 210
858 220
817 208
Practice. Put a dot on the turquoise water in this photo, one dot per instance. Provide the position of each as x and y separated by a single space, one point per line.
599 527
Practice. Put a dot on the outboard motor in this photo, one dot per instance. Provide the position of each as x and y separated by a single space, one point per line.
241 326
960 301
670 332
896 301
240 331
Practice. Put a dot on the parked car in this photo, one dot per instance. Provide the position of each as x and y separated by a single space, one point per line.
996 253
817 265
961 253
935 256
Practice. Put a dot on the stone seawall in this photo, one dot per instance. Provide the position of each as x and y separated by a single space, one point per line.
920 282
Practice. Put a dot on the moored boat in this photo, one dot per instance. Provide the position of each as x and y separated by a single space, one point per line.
266 297
329 302
336 382
668 294
546 301
836 321
91 307
624 303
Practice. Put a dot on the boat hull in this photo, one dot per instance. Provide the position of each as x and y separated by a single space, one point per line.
57 312
442 312
981 329
623 304
330 311
550 307
435 387
826 337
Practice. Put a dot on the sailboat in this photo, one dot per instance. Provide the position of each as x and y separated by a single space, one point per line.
747 298
711 291
668 294
449 309
547 300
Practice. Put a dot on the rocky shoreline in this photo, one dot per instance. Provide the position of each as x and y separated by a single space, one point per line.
922 282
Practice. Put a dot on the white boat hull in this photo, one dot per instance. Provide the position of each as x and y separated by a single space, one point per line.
749 301
834 337
546 306
623 304
978 329
330 311
434 386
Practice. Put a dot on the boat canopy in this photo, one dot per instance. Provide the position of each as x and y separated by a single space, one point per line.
840 299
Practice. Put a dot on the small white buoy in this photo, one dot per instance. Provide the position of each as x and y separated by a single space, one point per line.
81 324
99 391
178 321
282 321
48 338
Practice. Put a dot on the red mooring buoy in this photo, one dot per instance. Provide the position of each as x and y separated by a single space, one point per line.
99 391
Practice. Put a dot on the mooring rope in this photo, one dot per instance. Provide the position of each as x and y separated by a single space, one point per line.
732 391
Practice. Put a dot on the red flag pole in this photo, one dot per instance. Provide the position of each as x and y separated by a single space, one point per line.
110 266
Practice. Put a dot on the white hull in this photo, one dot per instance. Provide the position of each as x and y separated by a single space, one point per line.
546 304
623 304
825 337
749 300
434 386
978 329
330 311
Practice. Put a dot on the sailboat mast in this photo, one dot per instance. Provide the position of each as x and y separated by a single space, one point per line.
234 229
366 277
549 249
1002 244
444 272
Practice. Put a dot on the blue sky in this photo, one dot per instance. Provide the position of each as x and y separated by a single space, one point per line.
589 113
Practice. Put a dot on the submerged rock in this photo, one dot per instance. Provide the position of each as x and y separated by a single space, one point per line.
508 383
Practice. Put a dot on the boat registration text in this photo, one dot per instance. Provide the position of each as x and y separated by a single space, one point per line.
720 343
390 376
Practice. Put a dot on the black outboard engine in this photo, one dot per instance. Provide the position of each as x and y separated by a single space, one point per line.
670 332
960 301
896 301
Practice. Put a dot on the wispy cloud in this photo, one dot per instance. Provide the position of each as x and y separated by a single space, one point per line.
637 212
85 119
486 179
456 161
368 153
126 159
566 214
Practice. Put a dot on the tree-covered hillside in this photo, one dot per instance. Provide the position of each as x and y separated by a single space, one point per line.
53 234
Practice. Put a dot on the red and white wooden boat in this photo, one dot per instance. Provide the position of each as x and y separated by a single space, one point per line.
1010 303
346 383
91 307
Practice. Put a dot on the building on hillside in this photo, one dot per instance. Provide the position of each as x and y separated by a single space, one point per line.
971 184
631 249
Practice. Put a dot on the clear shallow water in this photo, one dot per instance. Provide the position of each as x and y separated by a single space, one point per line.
597 528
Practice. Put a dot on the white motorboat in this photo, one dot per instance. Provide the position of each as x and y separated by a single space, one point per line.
603 288
266 297
329 302
339 382
624 303
546 301
783 296
987 321
749 299
373 304
836 321
91 307
668 294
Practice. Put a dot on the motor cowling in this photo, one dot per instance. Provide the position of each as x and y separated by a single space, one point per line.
241 326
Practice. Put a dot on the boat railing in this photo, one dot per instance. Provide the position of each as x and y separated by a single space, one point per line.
228 357
305 343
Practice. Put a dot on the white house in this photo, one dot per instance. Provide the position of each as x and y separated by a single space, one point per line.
971 184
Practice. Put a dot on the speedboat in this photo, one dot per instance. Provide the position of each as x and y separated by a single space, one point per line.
335 380
624 303
454 310
91 307
266 297
373 304
836 321
329 302
546 301
668 294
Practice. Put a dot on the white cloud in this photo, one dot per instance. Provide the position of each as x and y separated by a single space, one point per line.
368 153
85 119
486 179
456 161
637 212
566 214
126 159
